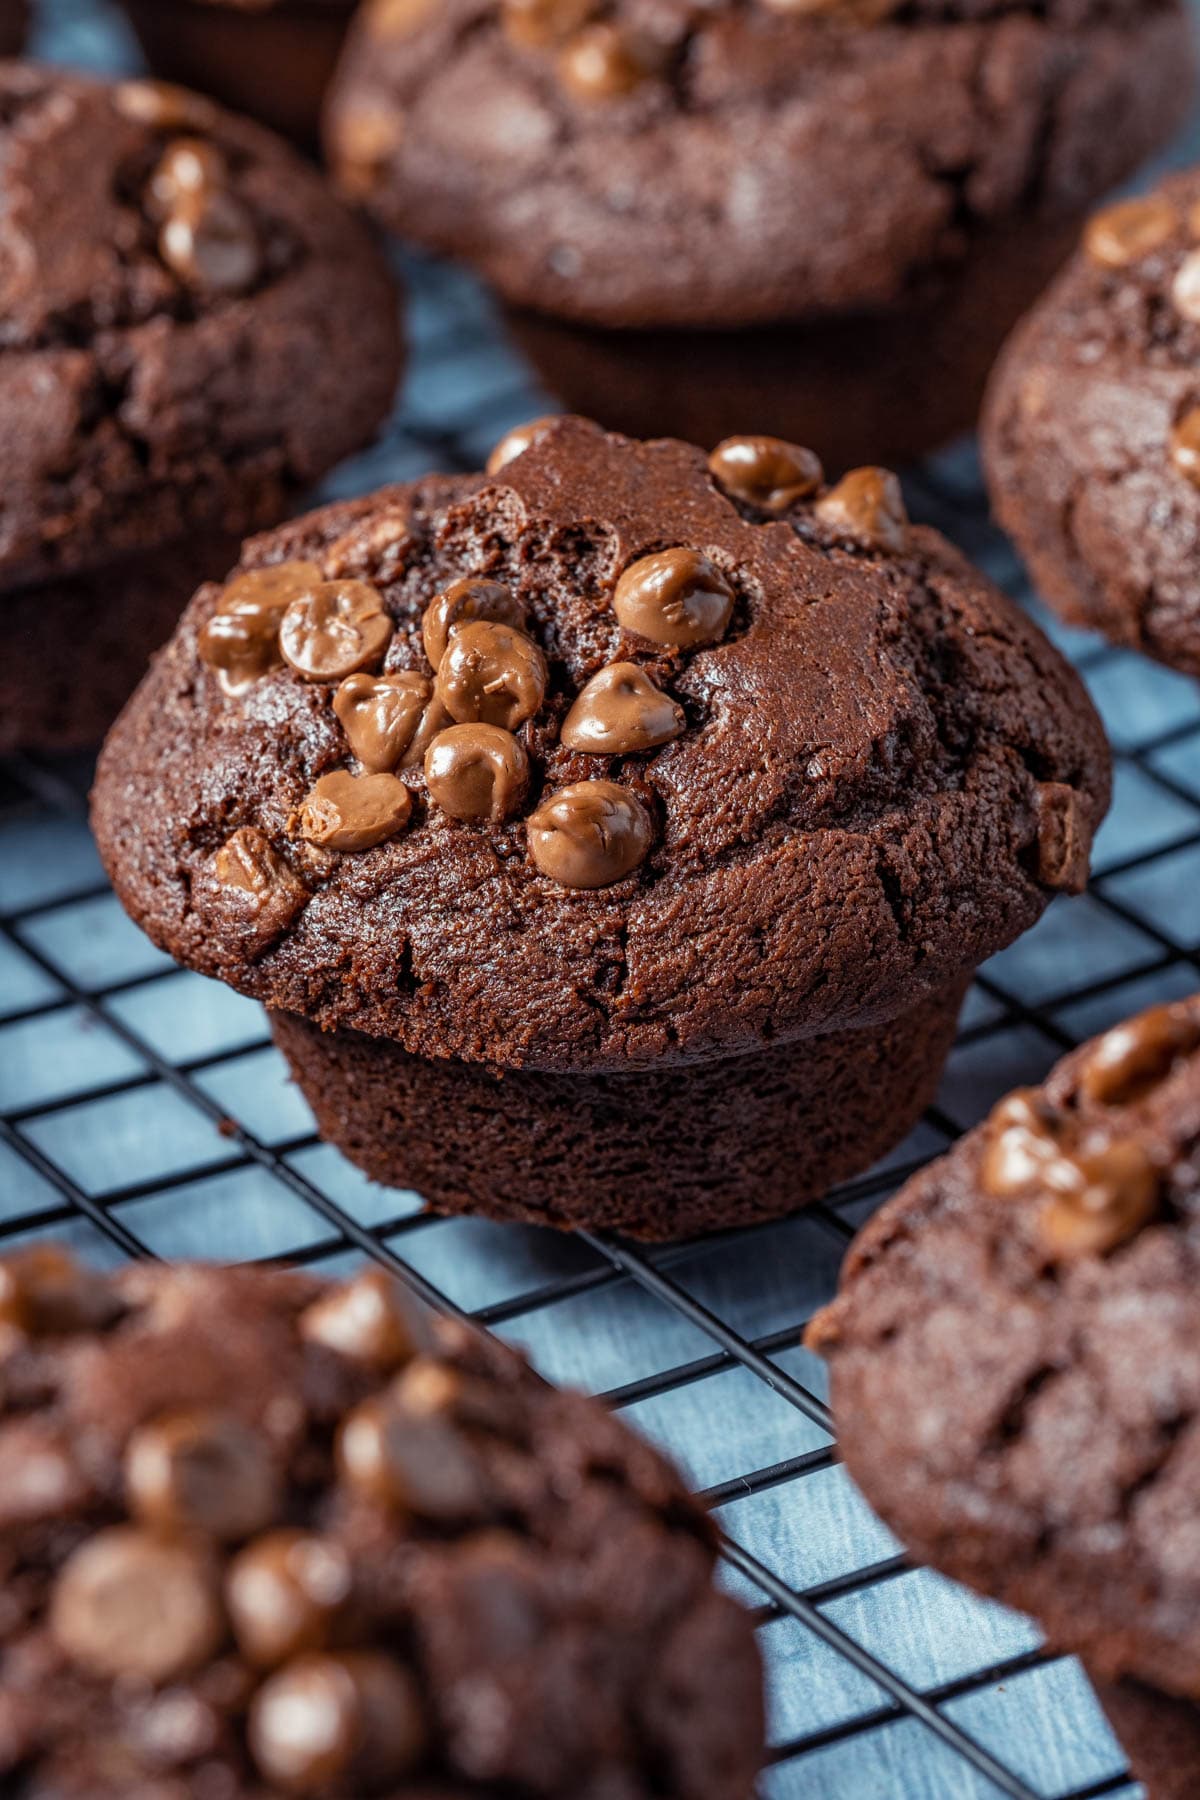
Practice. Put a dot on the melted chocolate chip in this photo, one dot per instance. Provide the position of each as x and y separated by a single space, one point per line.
129 1604
45 1292
335 629
414 1464
1063 841
604 62
491 674
533 23
1122 234
162 106
477 772
1185 446
354 812
590 834
210 241
676 597
369 1320
253 888
380 714
241 640
514 443
1095 1195
765 472
202 1471
188 169
1185 289
325 1720
621 711
1136 1056
284 1593
467 600
868 508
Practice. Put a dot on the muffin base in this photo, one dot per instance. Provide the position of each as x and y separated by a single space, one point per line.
1160 1735
72 651
654 1154
881 388
273 64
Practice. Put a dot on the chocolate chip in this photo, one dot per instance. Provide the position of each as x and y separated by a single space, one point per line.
418 1465
604 62
433 720
354 812
1185 289
397 18
867 507
39 1477
210 242
129 1604
1134 1057
1124 233
590 834
621 711
365 141
45 1292
189 168
1094 1196
335 629
676 597
250 890
1185 446
241 640
380 714
532 23
323 1721
369 1320
201 1471
473 598
284 1593
477 772
491 674
766 472
161 105
1063 840
514 443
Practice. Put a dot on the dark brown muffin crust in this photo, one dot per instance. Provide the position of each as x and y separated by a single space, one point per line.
883 774
1016 1354
650 162
14 22
194 330
1092 428
1160 1736
262 1536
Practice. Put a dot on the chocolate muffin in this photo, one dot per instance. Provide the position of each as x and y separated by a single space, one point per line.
1092 428
265 1536
195 330
897 177
270 59
14 22
1161 1736
605 827
1015 1355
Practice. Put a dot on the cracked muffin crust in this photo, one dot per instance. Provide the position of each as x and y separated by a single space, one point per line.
654 162
195 330
265 1536
1092 428
1014 1354
661 762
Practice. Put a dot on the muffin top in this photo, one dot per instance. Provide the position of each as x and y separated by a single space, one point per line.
1093 425
264 1536
192 326
658 162
619 753
1016 1353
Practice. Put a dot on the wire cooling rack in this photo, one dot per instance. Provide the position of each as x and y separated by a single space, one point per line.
143 1112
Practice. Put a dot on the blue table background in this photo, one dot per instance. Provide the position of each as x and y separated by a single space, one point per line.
142 1107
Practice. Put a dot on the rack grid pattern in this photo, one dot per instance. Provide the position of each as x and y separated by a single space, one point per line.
143 1112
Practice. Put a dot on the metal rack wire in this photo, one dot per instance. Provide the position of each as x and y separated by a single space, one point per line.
143 1112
